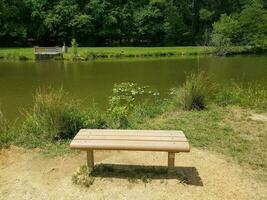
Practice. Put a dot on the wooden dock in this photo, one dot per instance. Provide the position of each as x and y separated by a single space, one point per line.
47 52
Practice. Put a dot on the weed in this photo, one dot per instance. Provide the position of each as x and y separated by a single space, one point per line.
82 177
194 93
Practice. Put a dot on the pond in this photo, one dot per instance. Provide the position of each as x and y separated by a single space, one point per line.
93 81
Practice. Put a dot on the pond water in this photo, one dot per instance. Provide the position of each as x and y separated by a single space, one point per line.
93 81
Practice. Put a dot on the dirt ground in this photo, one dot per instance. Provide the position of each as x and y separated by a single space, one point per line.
26 174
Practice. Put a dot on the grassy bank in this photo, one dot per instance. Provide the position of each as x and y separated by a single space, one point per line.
219 118
91 53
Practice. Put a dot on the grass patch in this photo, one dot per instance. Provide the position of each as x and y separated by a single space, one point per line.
5 136
58 148
226 130
252 96
12 54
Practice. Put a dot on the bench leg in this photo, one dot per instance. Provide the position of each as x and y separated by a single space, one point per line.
171 159
90 159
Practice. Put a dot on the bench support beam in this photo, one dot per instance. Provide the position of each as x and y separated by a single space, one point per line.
171 160
90 159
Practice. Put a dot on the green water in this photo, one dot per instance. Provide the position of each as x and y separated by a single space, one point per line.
93 81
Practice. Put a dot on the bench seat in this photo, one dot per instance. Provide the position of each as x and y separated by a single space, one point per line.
130 140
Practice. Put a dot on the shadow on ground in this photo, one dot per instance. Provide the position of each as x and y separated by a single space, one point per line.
187 175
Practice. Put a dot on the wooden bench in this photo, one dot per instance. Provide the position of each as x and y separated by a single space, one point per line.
131 140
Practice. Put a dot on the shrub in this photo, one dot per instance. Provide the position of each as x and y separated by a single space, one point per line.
194 93
74 48
53 117
225 34
125 99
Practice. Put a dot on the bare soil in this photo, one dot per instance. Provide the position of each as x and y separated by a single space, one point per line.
25 174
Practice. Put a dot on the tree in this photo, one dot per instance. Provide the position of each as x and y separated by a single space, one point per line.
148 23
13 32
253 23
225 33
249 28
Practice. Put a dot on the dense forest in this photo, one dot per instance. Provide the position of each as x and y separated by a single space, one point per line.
133 22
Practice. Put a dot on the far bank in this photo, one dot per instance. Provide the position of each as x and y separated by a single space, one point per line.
92 53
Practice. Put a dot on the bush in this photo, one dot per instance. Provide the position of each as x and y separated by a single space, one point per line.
194 94
128 98
74 48
225 34
52 118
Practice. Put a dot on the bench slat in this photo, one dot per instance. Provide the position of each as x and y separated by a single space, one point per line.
130 138
130 145
157 133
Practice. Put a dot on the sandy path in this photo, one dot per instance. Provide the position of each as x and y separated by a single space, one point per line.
27 175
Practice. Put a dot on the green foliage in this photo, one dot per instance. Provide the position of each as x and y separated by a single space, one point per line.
5 136
52 118
205 14
109 22
126 98
253 96
194 93
225 33
253 25
82 177
246 28
13 32
74 48
94 118
225 130
230 95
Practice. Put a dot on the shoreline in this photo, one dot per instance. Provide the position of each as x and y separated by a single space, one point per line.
86 54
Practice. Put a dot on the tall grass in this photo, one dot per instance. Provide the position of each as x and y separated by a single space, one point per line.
195 92
199 90
4 131
53 117
252 96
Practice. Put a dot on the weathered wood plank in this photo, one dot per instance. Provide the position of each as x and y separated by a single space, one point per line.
157 133
130 145
131 138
